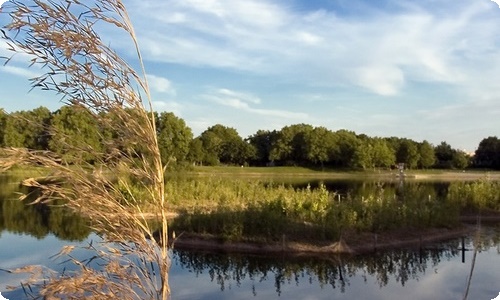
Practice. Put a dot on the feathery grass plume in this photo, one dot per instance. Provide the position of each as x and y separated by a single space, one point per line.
60 36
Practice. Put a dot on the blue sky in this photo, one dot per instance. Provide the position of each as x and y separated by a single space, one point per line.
417 69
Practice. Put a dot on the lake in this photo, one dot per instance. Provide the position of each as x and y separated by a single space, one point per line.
33 234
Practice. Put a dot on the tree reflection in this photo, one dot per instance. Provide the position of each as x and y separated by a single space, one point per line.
337 272
38 220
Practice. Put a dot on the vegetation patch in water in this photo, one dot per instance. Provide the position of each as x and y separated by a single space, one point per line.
237 210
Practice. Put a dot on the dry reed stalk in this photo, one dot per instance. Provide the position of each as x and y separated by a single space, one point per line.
60 36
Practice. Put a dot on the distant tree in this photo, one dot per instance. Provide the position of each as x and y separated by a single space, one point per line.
408 153
363 155
3 119
444 155
262 141
28 129
460 160
319 143
73 130
346 144
290 147
383 155
174 138
246 151
427 155
196 153
224 145
212 146
116 144
488 153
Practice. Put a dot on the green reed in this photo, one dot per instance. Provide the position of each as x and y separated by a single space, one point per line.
253 210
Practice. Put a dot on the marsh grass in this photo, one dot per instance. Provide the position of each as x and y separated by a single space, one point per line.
251 210
61 38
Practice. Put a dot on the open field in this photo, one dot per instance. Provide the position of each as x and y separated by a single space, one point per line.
343 174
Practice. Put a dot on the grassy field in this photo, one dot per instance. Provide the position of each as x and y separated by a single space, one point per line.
342 173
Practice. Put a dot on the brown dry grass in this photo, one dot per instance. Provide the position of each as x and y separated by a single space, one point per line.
61 38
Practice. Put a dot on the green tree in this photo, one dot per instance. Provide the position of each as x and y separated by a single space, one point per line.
290 147
3 119
212 145
28 129
346 145
320 143
196 153
224 145
383 155
174 137
488 153
460 159
408 153
427 155
262 141
363 155
444 155
74 130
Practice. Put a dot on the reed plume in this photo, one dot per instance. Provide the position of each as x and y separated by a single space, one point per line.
61 38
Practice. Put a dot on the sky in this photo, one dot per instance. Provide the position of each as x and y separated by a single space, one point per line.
424 70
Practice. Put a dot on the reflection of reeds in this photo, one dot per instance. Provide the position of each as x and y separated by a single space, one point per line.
477 242
61 37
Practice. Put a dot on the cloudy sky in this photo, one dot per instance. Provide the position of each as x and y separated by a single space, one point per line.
426 69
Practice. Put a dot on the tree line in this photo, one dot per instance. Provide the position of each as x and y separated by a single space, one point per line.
69 130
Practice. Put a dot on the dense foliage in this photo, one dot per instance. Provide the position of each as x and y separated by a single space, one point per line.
293 145
251 209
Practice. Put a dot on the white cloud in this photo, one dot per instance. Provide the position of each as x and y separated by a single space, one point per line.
242 101
256 13
383 80
239 96
169 106
379 52
308 38
160 84
23 72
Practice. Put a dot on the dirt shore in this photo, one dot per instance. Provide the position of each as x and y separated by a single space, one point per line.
351 243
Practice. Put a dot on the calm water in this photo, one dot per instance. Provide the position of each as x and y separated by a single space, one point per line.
31 235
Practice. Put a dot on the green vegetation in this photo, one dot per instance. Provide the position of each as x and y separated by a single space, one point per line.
74 129
253 210
482 195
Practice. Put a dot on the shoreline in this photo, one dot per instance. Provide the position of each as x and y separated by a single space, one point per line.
350 244
254 172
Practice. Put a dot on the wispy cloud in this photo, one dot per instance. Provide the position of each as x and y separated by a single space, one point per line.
19 71
160 84
380 52
242 97
169 106
243 101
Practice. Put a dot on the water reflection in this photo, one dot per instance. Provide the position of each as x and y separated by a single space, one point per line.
434 272
336 271
38 220
400 189
392 272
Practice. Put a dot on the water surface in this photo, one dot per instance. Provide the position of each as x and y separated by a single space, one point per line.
33 234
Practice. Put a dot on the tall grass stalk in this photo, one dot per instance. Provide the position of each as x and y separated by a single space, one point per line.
61 38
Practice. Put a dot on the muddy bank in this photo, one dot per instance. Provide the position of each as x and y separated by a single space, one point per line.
351 243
